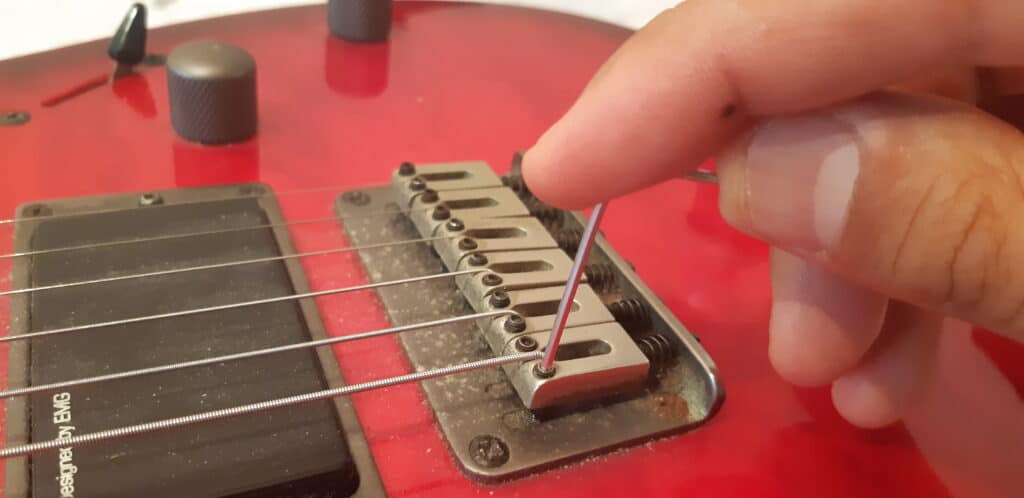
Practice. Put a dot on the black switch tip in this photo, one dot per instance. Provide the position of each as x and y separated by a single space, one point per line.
128 46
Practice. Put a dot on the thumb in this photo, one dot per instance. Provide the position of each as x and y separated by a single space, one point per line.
919 198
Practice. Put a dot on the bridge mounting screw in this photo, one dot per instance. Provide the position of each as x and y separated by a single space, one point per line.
491 279
515 324
488 451
417 184
441 213
526 344
468 244
455 225
477 259
429 196
356 197
406 169
500 299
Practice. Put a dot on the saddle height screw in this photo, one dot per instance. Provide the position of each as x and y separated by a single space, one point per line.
468 244
417 184
526 344
429 196
488 451
491 279
477 259
515 324
500 299
406 169
540 373
441 213
455 225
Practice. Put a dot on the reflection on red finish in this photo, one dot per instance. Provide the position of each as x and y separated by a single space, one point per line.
134 90
356 69
70 93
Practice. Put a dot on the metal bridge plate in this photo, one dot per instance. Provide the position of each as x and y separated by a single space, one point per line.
489 431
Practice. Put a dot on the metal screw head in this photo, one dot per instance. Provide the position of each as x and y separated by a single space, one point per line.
16 118
526 344
417 184
515 324
150 199
540 373
468 244
491 279
406 169
429 196
488 451
477 259
357 197
441 213
500 299
37 210
455 225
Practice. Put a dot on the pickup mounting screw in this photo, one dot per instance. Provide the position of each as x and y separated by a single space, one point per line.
477 259
515 324
468 244
500 299
488 451
417 184
526 344
406 169
491 279
429 196
150 199
455 225
441 213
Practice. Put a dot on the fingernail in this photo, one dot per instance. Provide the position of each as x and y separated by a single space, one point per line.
800 176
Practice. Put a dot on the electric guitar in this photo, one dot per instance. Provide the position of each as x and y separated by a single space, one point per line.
289 254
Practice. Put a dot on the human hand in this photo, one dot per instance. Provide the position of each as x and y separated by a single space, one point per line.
888 209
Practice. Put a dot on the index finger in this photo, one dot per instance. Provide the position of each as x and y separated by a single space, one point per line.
696 76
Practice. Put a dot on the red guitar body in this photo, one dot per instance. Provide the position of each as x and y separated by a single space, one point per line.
456 82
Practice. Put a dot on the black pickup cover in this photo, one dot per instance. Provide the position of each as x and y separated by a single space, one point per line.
298 451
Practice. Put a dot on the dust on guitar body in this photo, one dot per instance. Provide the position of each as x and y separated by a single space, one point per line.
608 367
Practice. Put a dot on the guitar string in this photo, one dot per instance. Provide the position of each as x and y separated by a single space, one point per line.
699 175
24 391
202 233
248 409
215 266
242 304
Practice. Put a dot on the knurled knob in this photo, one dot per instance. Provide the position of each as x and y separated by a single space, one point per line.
212 88
359 20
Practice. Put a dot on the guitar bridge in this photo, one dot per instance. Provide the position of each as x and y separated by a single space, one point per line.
627 370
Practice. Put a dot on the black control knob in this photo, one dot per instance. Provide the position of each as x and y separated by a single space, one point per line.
360 20
212 87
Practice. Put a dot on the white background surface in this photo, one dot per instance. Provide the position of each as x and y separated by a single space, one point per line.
29 26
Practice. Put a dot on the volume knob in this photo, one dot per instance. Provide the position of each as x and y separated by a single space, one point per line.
360 20
212 88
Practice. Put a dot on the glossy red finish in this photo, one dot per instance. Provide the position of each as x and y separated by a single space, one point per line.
455 82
